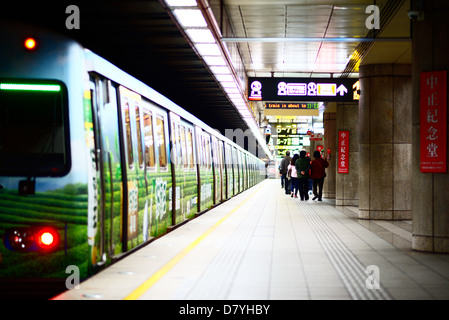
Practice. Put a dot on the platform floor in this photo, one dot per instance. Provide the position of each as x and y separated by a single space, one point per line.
265 245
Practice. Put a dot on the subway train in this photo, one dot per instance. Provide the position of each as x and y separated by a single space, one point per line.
94 163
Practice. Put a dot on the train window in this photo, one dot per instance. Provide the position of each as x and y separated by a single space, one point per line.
174 152
34 136
148 138
214 151
208 159
203 151
220 153
180 149
139 137
190 148
183 147
128 136
160 135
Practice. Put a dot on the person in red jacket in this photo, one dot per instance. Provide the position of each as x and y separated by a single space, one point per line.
318 173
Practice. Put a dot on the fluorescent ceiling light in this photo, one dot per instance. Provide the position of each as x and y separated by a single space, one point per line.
233 96
201 35
224 77
229 84
215 61
239 103
190 18
181 3
232 90
208 49
220 70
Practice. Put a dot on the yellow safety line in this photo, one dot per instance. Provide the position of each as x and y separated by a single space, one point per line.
161 272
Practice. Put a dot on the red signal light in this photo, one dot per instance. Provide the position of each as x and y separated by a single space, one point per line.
47 238
30 43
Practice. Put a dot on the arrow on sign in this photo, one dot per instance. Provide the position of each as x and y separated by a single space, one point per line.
342 90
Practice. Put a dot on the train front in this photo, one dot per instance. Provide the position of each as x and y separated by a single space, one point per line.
44 194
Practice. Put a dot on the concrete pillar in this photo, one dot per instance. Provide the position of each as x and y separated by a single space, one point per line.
385 141
347 184
430 205
329 118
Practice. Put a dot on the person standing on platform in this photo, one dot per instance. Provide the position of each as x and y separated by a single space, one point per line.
318 173
284 167
294 175
302 168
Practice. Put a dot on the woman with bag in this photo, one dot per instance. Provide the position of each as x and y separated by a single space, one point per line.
294 176
318 173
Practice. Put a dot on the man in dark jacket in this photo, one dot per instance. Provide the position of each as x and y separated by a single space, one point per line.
302 168
284 165
318 172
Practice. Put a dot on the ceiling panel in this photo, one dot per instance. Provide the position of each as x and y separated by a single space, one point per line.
257 20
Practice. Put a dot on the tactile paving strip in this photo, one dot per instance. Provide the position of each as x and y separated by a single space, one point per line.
349 268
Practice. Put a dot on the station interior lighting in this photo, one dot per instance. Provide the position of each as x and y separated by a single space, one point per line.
30 44
193 19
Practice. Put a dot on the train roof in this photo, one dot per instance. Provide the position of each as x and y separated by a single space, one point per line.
97 64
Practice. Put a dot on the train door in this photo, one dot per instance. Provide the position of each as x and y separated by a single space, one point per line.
216 166
184 181
222 170
135 189
236 170
191 193
105 237
230 170
246 170
156 218
162 182
204 170
241 177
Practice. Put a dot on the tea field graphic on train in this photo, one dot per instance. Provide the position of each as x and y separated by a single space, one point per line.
94 163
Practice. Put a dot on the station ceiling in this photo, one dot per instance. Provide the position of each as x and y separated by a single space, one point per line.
141 37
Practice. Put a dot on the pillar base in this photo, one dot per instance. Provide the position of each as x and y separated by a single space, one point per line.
385 214
430 244
347 202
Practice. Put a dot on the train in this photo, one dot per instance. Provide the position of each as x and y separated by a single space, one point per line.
94 163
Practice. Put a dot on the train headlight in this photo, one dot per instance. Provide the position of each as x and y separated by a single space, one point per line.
30 44
47 238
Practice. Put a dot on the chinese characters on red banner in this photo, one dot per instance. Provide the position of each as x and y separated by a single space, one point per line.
433 121
343 152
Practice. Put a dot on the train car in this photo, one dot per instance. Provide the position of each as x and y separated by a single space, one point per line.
93 162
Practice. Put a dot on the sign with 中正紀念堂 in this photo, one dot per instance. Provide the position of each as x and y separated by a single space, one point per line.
433 121
343 152
303 89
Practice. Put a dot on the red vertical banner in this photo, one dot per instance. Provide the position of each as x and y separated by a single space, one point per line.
343 152
433 121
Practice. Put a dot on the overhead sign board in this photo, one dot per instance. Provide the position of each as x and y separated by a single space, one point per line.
296 106
303 89
292 109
